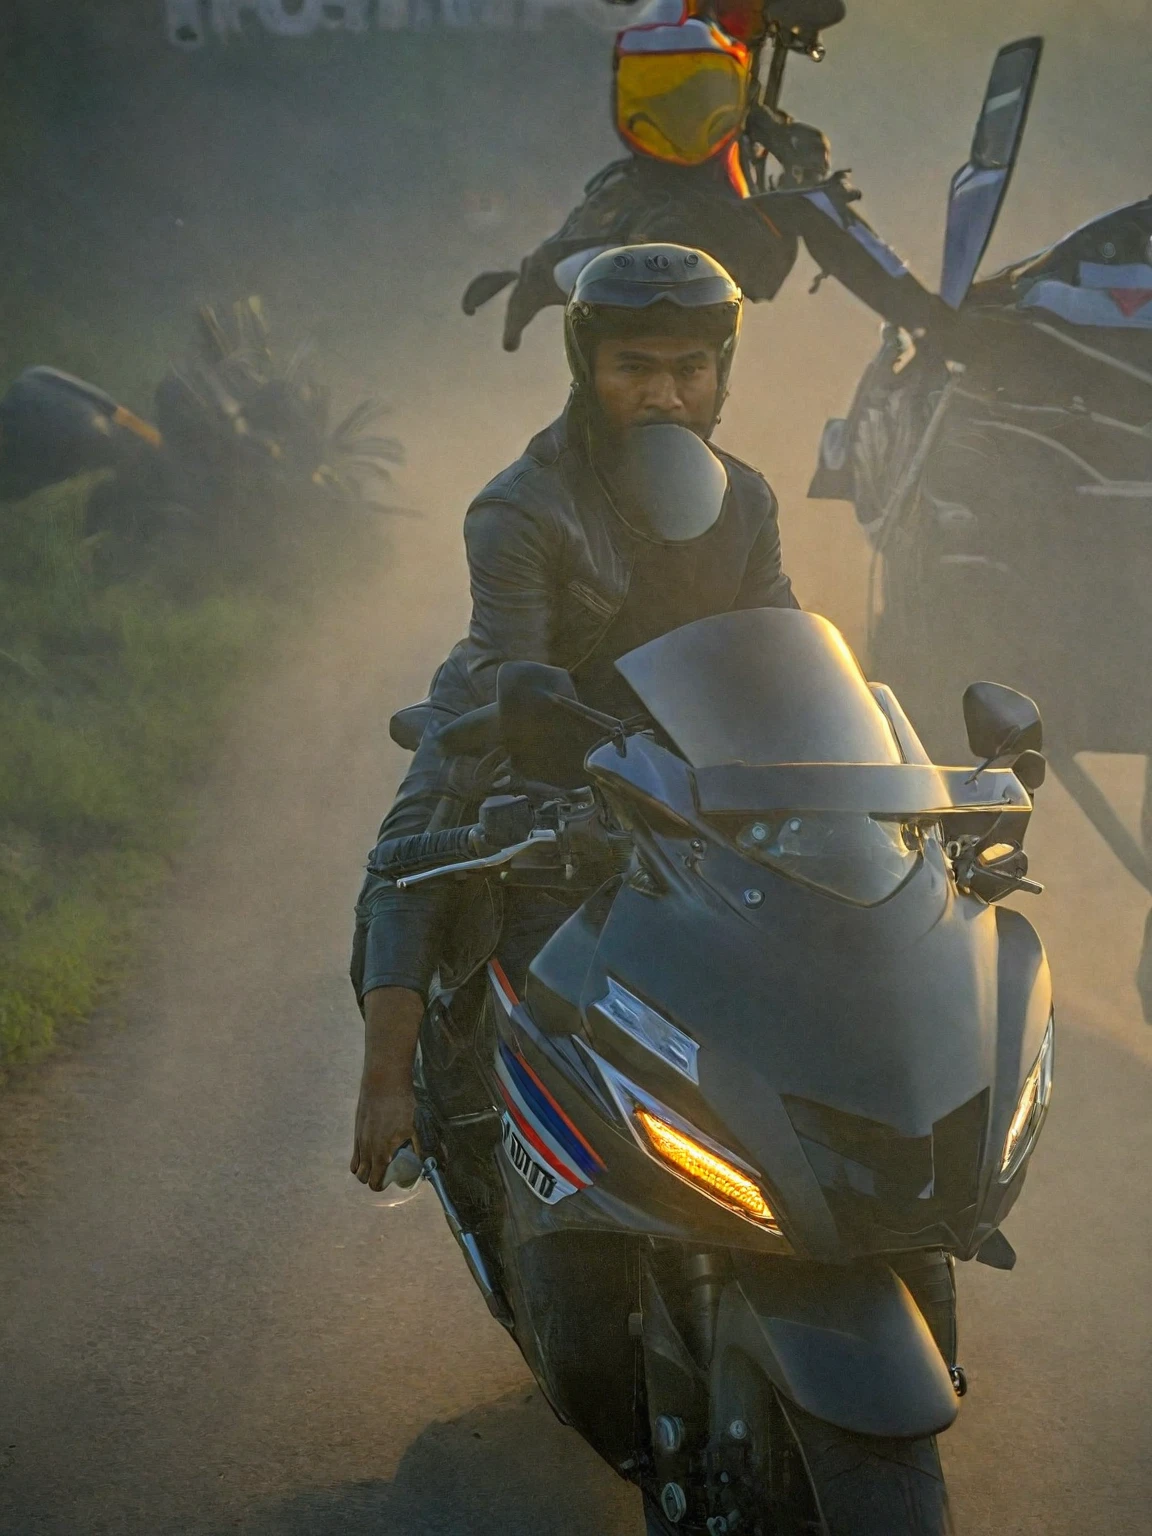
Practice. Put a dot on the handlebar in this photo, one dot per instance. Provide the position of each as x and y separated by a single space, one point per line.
560 837
505 820
393 857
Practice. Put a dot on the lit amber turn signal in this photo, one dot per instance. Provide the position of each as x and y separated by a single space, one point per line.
704 1168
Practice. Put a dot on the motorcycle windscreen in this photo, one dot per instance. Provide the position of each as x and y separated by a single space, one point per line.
979 188
681 91
760 686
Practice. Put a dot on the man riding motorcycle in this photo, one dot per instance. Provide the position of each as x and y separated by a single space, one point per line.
564 570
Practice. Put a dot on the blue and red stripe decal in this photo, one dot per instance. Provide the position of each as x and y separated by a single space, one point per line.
538 1118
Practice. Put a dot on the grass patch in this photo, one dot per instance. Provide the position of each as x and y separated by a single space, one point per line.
111 698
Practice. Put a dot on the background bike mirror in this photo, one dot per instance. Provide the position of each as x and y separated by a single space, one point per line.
545 743
1006 102
999 720
808 15
980 185
667 483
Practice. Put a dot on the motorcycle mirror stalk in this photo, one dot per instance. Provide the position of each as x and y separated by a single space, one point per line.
617 729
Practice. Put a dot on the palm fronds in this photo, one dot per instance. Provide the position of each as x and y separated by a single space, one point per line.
240 399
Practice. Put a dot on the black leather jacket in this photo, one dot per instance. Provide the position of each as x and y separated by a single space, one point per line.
550 564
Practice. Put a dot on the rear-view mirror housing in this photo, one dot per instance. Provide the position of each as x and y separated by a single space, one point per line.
1000 720
545 743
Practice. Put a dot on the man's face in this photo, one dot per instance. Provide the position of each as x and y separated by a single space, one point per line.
658 378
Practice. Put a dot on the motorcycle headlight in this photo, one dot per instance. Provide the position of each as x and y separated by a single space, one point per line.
1030 1111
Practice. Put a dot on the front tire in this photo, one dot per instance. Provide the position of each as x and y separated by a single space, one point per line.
803 1477
867 1487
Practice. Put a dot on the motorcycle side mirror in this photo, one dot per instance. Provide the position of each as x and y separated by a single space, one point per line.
546 742
1000 720
1031 769
484 288
1004 112
540 722
980 185
808 15
407 726
472 735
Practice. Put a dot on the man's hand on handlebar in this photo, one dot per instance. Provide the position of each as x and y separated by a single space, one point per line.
804 154
387 1107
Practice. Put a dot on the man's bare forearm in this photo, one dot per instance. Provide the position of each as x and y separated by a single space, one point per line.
391 1026
386 1107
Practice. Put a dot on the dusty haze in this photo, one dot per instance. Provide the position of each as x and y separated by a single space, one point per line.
207 1326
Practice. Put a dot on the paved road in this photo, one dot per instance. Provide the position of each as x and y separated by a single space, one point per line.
207 1327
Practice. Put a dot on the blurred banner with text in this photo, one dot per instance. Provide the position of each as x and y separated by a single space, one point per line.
192 23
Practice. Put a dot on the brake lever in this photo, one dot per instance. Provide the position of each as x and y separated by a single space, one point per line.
1017 882
541 837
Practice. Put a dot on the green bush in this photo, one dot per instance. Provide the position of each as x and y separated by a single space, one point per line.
110 700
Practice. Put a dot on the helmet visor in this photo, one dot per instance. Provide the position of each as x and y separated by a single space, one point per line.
624 292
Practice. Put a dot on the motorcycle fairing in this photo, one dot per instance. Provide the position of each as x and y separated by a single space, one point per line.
1117 239
867 1061
535 1167
845 1343
571 1293
794 1029
744 1101
974 202
760 686
1025 991
630 1193
1112 298
543 1145
539 1120
935 983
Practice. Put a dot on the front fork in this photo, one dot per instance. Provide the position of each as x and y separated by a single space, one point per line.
930 1274
698 1472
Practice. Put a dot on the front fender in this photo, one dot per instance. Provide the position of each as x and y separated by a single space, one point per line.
846 1343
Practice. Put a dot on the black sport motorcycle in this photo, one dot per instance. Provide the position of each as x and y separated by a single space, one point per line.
711 1165
1005 499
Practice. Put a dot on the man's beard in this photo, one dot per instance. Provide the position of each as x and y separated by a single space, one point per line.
605 439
